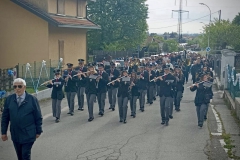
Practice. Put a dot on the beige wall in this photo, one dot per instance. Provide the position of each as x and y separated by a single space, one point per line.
52 6
71 8
23 36
43 4
74 44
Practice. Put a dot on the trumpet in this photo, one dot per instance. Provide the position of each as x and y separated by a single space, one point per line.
157 78
46 82
115 80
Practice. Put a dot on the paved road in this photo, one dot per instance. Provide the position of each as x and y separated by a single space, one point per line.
142 138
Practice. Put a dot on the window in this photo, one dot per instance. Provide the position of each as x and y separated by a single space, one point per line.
61 7
81 8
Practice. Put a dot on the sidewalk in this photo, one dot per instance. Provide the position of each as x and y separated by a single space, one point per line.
230 128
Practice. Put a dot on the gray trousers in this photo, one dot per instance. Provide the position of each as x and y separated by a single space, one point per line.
70 100
165 107
90 102
178 99
133 104
158 90
171 106
201 112
150 91
205 115
56 108
122 107
112 96
142 98
101 101
154 90
80 95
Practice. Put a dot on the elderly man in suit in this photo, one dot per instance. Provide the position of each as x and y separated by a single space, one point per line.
23 112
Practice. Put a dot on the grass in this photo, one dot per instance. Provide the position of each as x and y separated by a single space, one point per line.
31 90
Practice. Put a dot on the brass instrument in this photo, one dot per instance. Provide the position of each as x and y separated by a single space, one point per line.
188 62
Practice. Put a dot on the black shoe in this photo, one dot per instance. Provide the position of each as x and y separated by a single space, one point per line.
81 109
147 103
134 116
178 110
69 112
131 115
110 107
142 110
99 113
121 121
90 119
151 103
57 120
200 126
205 117
166 123
163 123
171 117
72 114
124 121
154 98
113 109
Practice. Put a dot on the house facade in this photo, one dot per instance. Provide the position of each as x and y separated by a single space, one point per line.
36 30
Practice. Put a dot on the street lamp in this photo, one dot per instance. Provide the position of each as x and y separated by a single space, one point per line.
209 20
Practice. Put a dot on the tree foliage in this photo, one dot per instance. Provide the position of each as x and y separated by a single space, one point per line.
221 34
170 46
236 20
123 24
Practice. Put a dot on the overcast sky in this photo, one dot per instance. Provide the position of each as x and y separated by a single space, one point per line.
160 14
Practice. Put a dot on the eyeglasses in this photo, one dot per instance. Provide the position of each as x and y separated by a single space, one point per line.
17 86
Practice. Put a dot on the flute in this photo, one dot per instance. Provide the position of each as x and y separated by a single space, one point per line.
82 72
157 78
47 82
198 83
115 80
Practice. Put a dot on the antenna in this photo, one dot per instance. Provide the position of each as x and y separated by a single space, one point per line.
180 12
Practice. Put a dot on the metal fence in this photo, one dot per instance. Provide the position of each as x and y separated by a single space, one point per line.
36 73
233 82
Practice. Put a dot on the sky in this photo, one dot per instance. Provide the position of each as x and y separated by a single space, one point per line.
162 20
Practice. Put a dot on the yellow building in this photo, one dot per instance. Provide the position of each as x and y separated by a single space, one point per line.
36 30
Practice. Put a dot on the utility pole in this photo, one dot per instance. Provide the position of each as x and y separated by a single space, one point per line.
180 12
220 14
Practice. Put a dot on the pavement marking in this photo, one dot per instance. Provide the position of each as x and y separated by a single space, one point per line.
219 123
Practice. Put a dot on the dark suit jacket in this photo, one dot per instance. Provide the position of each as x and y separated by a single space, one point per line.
115 74
102 84
57 92
26 120
71 85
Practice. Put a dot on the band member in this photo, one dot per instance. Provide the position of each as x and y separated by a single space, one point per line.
57 94
173 90
81 84
91 79
102 88
134 93
202 99
112 89
142 87
123 95
70 86
179 87
151 84
166 94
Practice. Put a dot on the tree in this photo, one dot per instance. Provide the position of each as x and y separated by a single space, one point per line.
170 46
236 20
123 24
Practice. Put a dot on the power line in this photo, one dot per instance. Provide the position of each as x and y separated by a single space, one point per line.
185 22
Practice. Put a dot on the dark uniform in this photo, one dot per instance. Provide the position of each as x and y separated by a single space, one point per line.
81 86
166 95
123 96
202 100
142 88
112 88
102 90
57 95
134 96
70 87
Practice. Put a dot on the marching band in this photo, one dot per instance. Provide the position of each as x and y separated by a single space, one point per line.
162 76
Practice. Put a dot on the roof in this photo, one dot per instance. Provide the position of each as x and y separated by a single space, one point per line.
58 21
